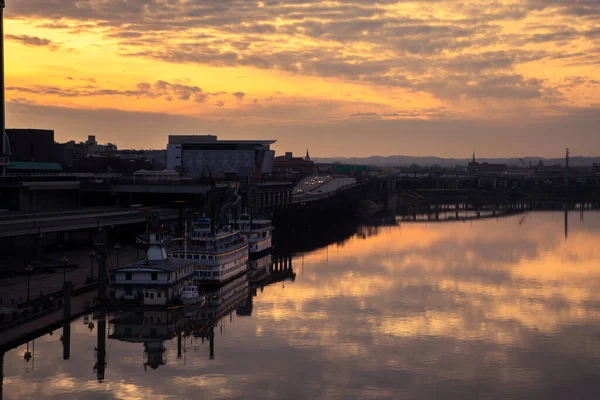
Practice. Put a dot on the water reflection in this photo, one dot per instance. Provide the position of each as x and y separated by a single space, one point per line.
488 308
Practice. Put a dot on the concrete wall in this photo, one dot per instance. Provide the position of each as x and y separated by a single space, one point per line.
48 200
174 157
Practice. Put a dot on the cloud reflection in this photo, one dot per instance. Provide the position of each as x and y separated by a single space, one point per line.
492 308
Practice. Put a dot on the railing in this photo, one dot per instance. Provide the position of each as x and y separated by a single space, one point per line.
101 175
208 250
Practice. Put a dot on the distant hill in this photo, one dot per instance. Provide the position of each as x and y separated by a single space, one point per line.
448 162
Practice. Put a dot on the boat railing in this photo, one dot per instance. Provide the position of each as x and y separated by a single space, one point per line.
208 250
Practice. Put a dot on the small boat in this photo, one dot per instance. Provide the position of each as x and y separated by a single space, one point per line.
191 295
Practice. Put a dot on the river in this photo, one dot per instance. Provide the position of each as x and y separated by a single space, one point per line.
498 308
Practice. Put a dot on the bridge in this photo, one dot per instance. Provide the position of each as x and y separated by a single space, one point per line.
319 187
18 224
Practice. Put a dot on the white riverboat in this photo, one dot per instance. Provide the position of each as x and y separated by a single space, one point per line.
259 232
219 254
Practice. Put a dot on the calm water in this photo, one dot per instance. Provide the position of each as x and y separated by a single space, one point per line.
488 309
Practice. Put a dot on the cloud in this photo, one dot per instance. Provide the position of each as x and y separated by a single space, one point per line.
33 41
386 135
364 115
201 97
427 113
239 95
159 89
488 58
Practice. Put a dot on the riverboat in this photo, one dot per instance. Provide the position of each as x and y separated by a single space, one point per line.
259 232
219 253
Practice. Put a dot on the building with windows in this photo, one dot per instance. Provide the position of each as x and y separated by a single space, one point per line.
157 159
94 149
196 156
156 280
293 168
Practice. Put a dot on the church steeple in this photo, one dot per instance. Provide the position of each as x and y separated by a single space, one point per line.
307 158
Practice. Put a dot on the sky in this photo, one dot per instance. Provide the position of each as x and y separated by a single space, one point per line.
341 78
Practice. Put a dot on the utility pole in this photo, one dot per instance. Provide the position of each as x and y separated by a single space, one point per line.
567 168
3 144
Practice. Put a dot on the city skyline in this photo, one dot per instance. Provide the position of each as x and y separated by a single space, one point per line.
348 78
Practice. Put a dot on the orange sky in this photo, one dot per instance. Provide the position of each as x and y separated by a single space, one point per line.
351 78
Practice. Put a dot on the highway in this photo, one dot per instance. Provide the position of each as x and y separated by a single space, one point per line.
319 187
18 224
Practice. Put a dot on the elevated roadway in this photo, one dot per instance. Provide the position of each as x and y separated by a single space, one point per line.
19 224
318 187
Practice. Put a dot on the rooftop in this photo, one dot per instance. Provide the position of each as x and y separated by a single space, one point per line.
169 265
34 166
261 142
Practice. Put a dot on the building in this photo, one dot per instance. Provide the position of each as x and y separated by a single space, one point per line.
31 145
157 280
207 156
180 139
152 327
155 158
94 149
264 198
69 153
293 168
99 150
485 167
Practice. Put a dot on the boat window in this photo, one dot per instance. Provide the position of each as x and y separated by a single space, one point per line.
146 294
158 295
152 296
154 276
127 276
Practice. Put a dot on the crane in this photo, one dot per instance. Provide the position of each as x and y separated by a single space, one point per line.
527 167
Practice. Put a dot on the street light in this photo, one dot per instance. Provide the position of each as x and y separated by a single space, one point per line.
92 253
64 261
117 248
29 269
